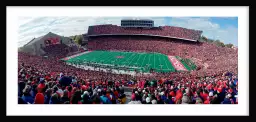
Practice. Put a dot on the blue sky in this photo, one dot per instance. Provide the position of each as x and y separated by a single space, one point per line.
222 28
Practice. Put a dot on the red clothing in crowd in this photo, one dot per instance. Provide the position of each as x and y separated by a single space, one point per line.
116 94
172 93
204 96
40 87
207 101
39 99
69 94
178 96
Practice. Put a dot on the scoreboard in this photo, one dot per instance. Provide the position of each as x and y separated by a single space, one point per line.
52 41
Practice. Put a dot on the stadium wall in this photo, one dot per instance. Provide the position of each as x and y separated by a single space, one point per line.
34 46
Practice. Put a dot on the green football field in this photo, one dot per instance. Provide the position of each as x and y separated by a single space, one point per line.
140 61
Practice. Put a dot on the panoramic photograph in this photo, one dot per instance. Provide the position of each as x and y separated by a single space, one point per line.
127 60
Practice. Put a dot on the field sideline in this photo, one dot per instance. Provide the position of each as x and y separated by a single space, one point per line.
134 60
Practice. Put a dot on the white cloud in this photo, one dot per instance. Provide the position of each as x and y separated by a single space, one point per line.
23 20
210 29
30 27
195 23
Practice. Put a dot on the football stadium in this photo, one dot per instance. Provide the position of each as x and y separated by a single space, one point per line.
135 62
132 61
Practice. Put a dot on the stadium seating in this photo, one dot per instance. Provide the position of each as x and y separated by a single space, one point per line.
161 31
217 58
213 90
215 82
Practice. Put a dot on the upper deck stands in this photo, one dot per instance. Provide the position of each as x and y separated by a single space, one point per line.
162 31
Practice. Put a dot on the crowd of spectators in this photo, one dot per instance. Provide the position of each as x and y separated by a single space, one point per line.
41 81
180 88
62 50
47 80
209 57
39 76
170 31
57 50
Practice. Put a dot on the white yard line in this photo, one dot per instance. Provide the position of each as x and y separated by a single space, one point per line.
149 61
154 60
99 56
128 59
143 60
160 61
108 56
132 59
138 59
166 64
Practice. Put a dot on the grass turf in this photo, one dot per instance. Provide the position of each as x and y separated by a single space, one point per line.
133 60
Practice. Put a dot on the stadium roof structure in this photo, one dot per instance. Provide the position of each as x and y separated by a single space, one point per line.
34 46
34 40
41 37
